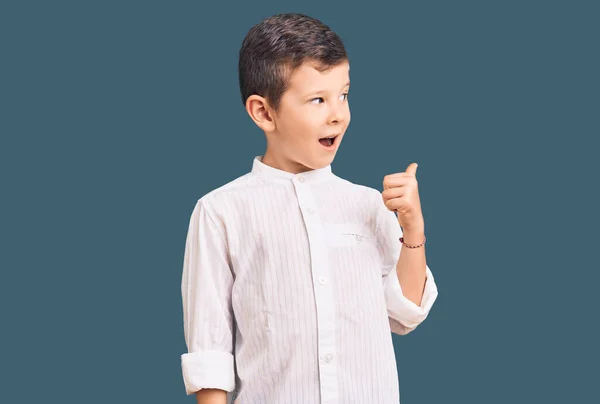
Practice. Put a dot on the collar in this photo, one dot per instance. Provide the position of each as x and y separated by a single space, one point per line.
265 171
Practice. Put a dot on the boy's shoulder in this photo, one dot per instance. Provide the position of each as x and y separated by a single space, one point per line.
218 196
359 190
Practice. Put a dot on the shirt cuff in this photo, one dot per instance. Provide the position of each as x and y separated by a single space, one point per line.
403 310
208 370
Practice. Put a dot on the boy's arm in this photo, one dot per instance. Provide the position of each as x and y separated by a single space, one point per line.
211 396
412 265
208 319
404 315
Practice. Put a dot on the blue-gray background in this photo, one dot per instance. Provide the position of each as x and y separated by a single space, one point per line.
116 116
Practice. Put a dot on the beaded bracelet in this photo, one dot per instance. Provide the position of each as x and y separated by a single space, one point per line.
412 246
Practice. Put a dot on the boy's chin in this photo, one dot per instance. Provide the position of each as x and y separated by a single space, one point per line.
322 162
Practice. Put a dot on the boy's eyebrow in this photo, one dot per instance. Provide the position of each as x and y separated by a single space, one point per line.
323 91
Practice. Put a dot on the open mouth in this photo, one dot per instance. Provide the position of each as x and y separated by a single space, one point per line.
328 141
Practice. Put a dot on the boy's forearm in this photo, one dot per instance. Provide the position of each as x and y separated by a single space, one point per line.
211 396
411 268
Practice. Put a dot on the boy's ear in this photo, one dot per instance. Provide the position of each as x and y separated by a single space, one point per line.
259 111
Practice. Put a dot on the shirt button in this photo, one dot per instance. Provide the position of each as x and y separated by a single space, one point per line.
300 178
310 210
358 238
328 358
322 281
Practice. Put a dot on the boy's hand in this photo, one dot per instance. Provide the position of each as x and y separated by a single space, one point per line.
401 195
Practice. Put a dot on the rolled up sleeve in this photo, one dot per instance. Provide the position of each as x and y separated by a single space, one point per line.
404 315
208 321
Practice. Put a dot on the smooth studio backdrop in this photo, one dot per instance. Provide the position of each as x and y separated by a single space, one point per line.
117 116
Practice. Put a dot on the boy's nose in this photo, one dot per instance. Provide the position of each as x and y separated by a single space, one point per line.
336 115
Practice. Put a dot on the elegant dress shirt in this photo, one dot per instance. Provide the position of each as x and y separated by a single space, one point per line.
290 292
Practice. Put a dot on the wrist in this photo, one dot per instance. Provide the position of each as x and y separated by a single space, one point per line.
413 236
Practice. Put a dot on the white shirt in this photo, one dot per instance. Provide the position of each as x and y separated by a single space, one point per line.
290 291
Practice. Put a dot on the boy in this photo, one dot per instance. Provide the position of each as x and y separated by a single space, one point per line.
293 277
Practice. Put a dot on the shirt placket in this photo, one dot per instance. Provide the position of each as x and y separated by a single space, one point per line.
323 291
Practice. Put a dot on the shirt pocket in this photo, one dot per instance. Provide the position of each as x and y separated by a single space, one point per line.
354 260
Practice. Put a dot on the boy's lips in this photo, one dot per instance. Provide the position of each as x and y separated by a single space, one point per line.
330 136
330 142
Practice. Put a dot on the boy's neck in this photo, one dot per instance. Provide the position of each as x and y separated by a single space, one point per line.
283 164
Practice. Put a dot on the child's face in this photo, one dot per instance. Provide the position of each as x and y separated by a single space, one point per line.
314 106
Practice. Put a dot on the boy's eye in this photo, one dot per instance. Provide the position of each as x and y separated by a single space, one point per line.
345 95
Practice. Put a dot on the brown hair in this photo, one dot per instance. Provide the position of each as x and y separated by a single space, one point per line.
276 46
